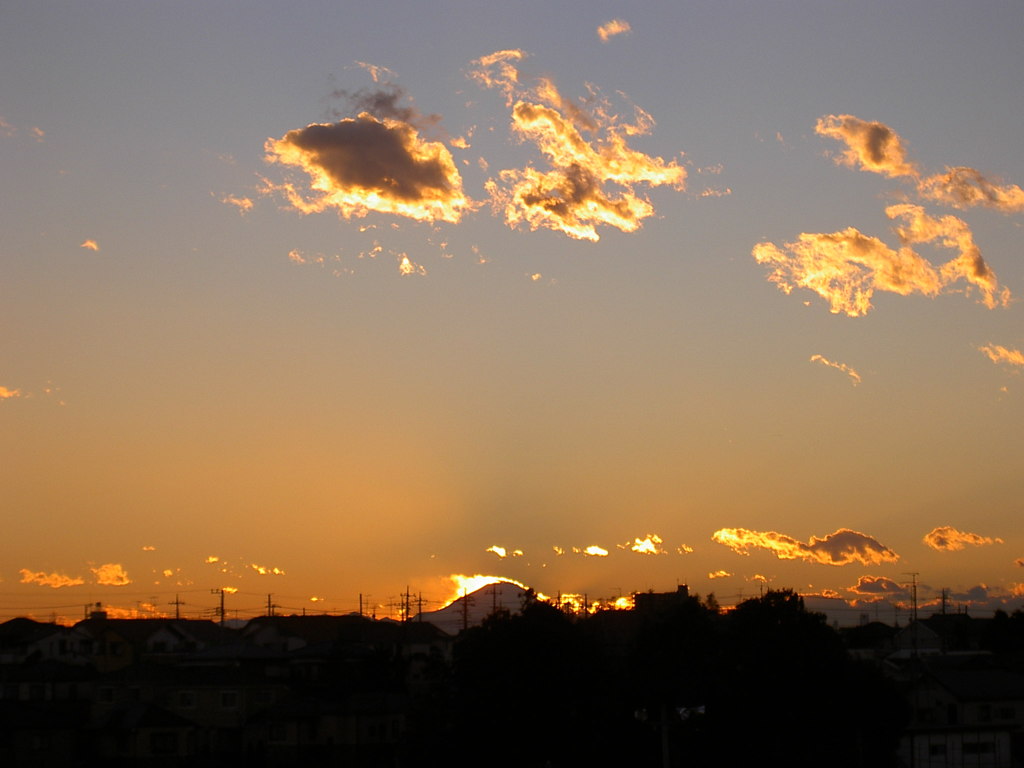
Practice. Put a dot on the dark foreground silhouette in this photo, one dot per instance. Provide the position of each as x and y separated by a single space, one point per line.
673 682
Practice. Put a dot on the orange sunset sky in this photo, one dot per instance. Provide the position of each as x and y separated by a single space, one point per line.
320 301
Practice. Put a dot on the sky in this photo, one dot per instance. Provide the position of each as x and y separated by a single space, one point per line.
318 305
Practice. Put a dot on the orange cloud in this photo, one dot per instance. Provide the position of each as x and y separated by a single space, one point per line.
948 539
90 245
263 570
243 204
683 549
592 180
612 28
875 147
54 580
962 187
876 586
872 146
648 546
9 394
843 547
111 575
854 376
719 574
997 354
592 551
365 164
407 266
846 268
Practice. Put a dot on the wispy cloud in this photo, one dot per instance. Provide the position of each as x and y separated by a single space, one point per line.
875 147
243 204
264 570
53 580
842 547
846 268
90 245
854 376
111 575
948 539
719 574
592 551
999 354
612 28
593 174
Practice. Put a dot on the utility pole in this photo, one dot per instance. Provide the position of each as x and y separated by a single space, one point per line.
270 606
177 603
220 592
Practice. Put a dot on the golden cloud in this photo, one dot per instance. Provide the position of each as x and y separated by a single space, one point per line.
872 146
499 551
263 570
842 547
966 187
111 575
846 268
948 539
876 586
243 204
407 266
612 28
89 245
875 147
54 580
996 353
575 196
365 164
592 551
647 546
8 394
854 376
719 574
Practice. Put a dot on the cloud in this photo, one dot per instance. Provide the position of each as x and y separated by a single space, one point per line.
243 204
54 580
90 245
612 28
407 266
111 575
263 570
948 539
648 546
593 173
854 376
877 586
683 549
365 164
846 268
592 551
962 187
9 394
875 147
996 353
843 547
872 146
719 574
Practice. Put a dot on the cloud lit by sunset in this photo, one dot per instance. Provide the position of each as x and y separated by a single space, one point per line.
842 547
612 28
854 376
1000 354
54 580
111 575
363 164
945 538
593 172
